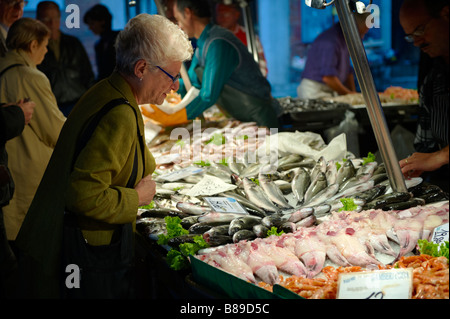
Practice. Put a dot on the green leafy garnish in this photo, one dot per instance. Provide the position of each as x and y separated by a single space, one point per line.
174 229
180 143
217 139
254 180
178 259
274 231
149 206
370 158
433 249
202 163
349 205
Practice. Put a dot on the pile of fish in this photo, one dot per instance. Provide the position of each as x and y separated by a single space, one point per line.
345 239
294 105
300 193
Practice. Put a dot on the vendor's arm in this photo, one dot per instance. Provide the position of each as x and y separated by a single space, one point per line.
221 61
418 163
336 85
97 184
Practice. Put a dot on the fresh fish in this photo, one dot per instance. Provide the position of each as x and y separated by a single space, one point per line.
248 205
370 194
380 169
321 210
331 172
316 186
300 184
415 201
355 180
214 240
408 232
175 242
289 159
160 213
386 199
260 230
300 214
236 168
273 192
261 264
257 196
352 190
323 195
306 222
368 168
245 222
218 217
378 178
193 209
243 234
287 227
311 251
251 171
200 228
217 230
346 171
274 220
320 167
187 222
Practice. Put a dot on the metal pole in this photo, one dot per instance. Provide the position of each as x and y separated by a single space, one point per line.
368 89
248 23
183 72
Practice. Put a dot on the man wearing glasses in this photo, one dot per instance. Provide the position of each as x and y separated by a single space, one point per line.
426 24
10 11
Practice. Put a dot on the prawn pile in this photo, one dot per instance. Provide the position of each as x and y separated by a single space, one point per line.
430 279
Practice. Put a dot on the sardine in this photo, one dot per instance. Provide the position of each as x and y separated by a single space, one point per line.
300 184
301 214
355 180
246 222
316 186
331 172
243 234
320 167
346 171
193 209
257 196
323 195
273 192
248 205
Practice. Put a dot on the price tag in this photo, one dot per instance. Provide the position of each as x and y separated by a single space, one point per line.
180 174
225 205
380 284
440 234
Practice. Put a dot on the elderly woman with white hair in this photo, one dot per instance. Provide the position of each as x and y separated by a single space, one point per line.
100 172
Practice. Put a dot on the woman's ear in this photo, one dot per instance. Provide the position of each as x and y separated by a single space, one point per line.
139 68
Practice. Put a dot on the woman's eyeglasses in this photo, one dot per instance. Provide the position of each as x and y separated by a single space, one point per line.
173 78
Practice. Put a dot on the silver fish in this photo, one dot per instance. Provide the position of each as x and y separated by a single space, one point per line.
316 186
352 190
257 196
355 180
289 159
300 214
346 171
260 230
214 217
331 172
243 234
272 191
323 195
245 222
306 222
368 168
321 166
236 168
193 209
300 184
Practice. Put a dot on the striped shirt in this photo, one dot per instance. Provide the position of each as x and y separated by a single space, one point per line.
432 129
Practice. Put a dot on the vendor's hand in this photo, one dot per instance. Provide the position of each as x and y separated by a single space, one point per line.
417 163
27 108
146 189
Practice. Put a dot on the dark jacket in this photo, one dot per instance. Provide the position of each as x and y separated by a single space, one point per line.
12 122
70 76
105 54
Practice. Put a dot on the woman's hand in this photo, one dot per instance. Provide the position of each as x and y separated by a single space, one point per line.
146 189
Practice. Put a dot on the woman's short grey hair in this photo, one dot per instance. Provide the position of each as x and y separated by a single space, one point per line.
153 38
23 31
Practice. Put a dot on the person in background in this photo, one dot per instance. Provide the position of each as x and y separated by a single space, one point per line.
13 119
149 53
426 24
222 71
99 20
10 11
228 16
29 152
66 64
328 71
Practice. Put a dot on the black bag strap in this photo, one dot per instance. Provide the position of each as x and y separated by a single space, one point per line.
9 67
87 133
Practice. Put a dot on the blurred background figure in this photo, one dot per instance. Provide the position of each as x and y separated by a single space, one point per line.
99 20
29 152
10 11
66 64
328 71
227 16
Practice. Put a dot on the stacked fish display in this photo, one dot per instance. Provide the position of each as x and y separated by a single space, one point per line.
346 239
300 196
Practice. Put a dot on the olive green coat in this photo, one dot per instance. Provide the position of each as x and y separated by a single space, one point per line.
95 189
